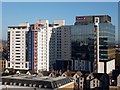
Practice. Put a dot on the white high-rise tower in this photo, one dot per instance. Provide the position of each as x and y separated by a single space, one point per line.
17 47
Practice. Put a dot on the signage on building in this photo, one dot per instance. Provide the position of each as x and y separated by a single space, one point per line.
80 18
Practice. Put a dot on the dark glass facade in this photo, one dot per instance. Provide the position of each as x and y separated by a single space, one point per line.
107 41
83 39
82 42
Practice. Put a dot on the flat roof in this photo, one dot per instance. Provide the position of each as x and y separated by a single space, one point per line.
17 26
20 88
44 81
32 77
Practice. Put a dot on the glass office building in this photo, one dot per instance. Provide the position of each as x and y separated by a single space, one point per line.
83 39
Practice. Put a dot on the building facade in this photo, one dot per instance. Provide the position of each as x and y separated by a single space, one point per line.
117 58
44 35
62 47
2 64
42 45
88 45
32 48
118 80
38 39
97 81
93 40
17 47
82 40
79 80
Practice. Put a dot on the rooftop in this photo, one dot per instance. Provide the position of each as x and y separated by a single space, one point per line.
43 82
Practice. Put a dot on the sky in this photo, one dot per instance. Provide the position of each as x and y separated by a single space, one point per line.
15 13
59 0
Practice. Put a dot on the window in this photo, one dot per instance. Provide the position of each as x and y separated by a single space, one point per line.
17 47
17 66
97 85
17 40
76 76
17 53
17 50
17 63
17 56
17 31
8 64
17 44
17 34
17 59
26 65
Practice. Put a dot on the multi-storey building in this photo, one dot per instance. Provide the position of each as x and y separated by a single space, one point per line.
44 34
17 47
63 47
93 41
41 45
38 39
88 45
82 40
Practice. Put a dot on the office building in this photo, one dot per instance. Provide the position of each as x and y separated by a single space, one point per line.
17 47
93 43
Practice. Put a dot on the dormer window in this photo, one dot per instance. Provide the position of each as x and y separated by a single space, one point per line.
63 75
